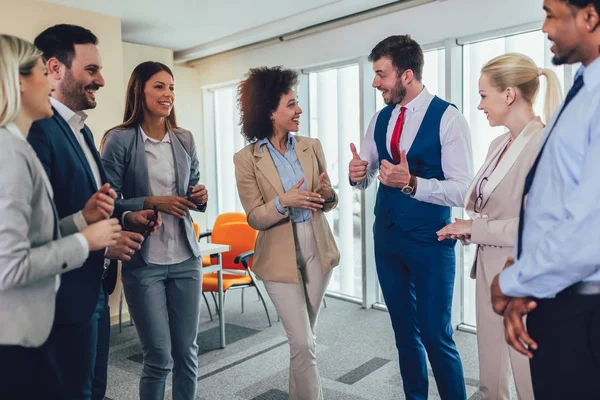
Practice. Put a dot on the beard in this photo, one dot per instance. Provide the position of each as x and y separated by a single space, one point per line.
77 93
397 94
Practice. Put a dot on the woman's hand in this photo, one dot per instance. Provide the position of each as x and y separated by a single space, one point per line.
323 188
177 206
103 234
461 229
297 198
198 194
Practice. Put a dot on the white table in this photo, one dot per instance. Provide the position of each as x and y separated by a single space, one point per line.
207 249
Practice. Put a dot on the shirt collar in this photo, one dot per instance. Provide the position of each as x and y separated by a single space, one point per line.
265 141
417 102
591 75
76 119
166 139
14 129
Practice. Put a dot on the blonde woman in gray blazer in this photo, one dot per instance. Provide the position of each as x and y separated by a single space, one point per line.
508 87
35 247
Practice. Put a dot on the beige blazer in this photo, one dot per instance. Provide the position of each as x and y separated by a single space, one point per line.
495 227
258 185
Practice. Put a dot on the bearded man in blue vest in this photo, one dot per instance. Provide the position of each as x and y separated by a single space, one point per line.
421 146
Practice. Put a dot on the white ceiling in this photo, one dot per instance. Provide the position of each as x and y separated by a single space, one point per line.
207 27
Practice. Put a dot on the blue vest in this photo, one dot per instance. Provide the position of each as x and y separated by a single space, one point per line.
424 161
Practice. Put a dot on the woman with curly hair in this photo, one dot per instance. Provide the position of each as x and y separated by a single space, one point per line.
284 188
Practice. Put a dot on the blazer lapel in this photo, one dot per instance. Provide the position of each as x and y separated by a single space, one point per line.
182 164
76 147
472 192
139 166
306 161
266 165
511 156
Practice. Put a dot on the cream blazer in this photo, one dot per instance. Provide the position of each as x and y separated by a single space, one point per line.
496 226
258 184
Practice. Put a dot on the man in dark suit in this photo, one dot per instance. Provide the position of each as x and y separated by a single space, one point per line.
81 332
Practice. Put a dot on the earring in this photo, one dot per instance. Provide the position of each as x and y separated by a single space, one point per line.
589 27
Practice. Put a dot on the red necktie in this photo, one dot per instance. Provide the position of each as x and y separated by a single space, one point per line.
395 143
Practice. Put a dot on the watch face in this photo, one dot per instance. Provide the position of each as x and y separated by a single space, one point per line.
407 189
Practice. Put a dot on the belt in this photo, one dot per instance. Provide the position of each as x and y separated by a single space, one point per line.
581 288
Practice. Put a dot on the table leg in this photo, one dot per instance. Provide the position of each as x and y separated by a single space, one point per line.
221 310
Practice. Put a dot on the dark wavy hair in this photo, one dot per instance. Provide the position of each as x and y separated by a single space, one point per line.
404 52
584 3
135 101
59 41
258 97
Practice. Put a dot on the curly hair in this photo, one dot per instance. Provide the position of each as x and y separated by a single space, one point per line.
258 97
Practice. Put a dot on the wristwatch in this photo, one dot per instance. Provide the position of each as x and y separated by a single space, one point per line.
410 186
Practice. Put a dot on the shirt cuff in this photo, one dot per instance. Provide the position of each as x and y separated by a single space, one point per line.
280 208
84 243
509 283
123 219
80 221
424 189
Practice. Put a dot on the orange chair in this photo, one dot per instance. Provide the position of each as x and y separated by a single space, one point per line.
241 237
221 219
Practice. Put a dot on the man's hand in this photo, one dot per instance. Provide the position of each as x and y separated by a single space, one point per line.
357 169
323 188
126 246
100 206
396 176
499 299
139 221
198 194
514 330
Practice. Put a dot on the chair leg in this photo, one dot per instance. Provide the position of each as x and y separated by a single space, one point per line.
207 306
121 311
243 300
264 304
215 300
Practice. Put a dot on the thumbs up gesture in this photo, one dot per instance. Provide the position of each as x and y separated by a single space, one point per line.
393 175
357 168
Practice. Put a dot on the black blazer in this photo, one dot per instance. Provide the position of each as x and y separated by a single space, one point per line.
73 184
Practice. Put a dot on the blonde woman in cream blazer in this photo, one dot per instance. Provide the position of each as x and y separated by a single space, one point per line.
508 87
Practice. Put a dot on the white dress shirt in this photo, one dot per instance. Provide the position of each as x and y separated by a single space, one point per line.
457 157
168 245
76 121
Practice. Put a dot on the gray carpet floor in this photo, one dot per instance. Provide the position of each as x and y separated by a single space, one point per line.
356 355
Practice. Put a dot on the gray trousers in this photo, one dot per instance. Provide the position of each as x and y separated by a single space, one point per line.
164 301
298 305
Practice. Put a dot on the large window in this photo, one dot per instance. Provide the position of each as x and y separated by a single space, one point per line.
535 45
228 141
335 120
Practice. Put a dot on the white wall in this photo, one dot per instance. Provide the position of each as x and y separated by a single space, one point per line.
429 23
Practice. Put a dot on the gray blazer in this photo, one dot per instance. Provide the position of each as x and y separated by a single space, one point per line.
124 159
33 252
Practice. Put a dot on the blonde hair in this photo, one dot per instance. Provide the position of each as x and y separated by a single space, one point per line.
17 57
519 71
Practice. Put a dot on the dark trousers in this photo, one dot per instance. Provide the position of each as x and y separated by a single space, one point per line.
28 373
567 362
416 274
81 351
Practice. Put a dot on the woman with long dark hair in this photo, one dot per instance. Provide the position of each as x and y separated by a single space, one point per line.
152 164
